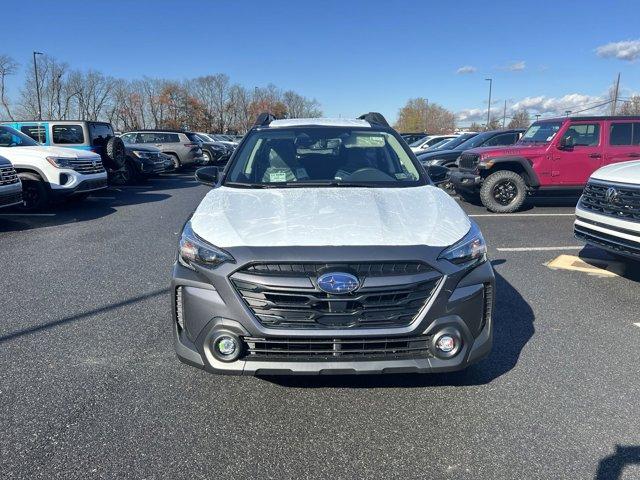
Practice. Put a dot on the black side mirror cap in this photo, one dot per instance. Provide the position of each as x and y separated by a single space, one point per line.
207 176
438 173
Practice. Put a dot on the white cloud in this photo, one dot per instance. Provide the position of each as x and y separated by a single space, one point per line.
542 105
516 66
628 50
466 70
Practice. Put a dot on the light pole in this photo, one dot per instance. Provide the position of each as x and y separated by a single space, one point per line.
35 69
537 117
490 80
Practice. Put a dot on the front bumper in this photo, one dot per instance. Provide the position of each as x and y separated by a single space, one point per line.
11 194
76 183
466 180
615 235
208 305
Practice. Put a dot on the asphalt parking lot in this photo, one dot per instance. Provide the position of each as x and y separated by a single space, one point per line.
90 386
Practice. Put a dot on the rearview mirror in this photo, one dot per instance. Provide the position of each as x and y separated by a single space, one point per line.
438 174
207 175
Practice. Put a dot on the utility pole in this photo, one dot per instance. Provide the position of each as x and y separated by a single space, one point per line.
35 69
615 96
567 113
504 114
426 116
490 80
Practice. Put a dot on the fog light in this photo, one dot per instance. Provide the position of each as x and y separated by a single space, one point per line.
226 347
446 343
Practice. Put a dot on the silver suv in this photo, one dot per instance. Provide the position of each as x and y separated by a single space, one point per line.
183 147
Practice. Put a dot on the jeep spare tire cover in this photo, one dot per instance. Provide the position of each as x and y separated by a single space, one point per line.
115 153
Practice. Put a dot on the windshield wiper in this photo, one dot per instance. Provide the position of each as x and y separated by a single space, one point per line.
247 185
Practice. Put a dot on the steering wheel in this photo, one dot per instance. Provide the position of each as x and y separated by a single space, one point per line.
369 174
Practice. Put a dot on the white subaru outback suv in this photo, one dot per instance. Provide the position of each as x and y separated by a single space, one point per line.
324 247
608 213
50 173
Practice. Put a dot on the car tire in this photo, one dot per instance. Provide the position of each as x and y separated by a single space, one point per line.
177 164
503 192
126 175
35 194
208 159
115 153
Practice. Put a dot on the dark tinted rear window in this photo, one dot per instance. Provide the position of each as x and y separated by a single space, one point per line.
67 134
100 133
625 133
193 137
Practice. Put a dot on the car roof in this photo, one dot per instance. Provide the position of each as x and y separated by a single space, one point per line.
321 122
590 118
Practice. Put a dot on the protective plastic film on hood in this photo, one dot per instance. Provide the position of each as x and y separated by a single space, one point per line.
233 217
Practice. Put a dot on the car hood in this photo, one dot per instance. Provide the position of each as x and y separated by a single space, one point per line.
509 151
142 148
234 217
625 172
44 151
428 155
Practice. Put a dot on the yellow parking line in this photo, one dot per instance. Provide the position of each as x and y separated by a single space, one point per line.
592 266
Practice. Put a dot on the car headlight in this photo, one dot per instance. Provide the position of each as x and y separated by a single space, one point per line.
60 162
195 251
142 154
470 251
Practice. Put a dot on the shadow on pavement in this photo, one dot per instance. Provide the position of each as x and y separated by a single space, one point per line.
513 327
80 316
611 467
101 204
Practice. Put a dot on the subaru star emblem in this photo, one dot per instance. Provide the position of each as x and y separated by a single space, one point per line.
338 283
611 195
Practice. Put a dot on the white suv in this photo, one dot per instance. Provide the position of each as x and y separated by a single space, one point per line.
50 173
608 213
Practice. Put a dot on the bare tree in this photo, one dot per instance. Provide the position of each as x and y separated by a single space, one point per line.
520 119
631 106
298 106
8 66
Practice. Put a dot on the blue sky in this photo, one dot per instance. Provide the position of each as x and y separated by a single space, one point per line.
352 56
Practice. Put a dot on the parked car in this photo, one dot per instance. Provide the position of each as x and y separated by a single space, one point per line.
448 155
297 261
428 141
51 173
226 139
608 213
412 137
185 148
97 137
143 161
554 157
214 151
10 184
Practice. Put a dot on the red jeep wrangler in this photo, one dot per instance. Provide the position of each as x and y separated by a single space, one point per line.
555 156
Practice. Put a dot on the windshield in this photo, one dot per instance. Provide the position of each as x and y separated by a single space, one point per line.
440 144
454 142
322 156
541 132
419 142
204 138
474 141
10 137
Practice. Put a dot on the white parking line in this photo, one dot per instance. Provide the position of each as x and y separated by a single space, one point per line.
539 249
510 215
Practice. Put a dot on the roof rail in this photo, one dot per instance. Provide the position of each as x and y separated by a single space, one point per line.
264 119
374 117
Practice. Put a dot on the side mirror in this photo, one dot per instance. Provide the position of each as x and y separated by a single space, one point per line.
565 143
207 175
438 174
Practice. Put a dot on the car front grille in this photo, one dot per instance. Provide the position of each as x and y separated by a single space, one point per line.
621 201
89 185
87 166
468 161
375 269
607 241
286 299
8 176
319 349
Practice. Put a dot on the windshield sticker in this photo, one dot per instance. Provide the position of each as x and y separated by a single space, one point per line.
278 176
